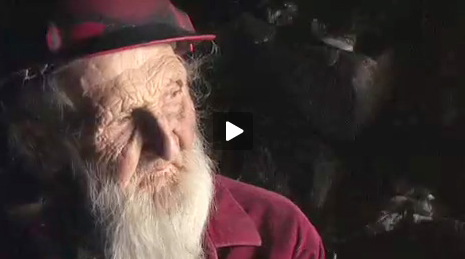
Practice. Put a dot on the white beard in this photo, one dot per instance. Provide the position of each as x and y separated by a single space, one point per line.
139 226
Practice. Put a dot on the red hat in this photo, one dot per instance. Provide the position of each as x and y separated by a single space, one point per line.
90 27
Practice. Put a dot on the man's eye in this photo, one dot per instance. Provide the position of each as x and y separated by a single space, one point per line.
175 93
177 88
125 119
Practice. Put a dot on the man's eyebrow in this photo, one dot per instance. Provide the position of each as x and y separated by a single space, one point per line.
179 82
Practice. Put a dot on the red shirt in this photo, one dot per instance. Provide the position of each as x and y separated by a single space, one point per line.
249 222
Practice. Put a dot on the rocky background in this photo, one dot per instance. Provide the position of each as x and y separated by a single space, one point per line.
358 109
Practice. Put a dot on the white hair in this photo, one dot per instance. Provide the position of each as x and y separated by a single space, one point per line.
138 226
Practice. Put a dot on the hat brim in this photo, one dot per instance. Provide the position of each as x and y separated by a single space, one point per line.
133 37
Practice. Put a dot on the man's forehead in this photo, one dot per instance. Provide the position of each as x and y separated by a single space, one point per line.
102 68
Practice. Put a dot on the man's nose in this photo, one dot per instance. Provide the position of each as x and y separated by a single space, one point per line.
158 138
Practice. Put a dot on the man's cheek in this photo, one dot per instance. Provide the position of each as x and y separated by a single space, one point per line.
117 148
128 160
188 126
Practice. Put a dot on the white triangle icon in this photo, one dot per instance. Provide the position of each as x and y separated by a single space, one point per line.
232 131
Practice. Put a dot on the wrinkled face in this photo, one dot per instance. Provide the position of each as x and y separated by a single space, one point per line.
142 115
131 133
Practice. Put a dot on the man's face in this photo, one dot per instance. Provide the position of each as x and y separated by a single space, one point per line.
143 116
148 179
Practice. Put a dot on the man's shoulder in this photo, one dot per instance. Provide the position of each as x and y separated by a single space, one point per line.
266 208
281 223
252 197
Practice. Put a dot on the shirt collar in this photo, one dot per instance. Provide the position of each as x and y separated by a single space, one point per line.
229 224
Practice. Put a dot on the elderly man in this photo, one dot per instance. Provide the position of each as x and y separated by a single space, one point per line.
110 127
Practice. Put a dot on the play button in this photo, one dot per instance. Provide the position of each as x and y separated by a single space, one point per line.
232 131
